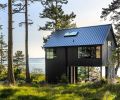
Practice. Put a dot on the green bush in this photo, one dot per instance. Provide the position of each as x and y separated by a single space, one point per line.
36 78
3 73
19 73
64 79
103 81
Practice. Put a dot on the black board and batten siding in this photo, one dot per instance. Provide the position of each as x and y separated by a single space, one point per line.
67 57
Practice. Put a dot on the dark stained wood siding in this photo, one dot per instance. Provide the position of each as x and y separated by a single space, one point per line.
66 57
56 67
107 51
104 54
73 59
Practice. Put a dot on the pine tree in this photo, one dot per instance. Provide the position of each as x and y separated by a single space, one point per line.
22 7
11 78
2 6
58 19
113 12
18 58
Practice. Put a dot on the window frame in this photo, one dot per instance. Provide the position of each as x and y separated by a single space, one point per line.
92 53
99 52
50 53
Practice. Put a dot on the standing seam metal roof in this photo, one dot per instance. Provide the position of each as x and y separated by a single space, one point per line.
91 35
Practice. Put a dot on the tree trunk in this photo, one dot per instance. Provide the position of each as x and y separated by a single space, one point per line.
26 43
116 69
11 78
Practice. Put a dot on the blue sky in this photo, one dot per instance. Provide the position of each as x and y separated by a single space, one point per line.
87 13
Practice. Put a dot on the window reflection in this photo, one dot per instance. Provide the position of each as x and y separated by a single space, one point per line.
89 52
98 52
51 53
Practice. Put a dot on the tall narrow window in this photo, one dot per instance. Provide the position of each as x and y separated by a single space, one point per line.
51 53
109 43
98 52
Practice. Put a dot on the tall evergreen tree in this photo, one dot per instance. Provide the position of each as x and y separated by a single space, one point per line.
113 12
18 58
26 42
22 7
58 19
11 78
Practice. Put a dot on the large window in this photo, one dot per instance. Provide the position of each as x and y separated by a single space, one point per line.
51 53
89 52
83 52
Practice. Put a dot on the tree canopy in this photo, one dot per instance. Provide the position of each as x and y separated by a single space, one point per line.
58 19
113 12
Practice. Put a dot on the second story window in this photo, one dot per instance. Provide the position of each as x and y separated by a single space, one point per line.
89 52
84 52
98 52
50 53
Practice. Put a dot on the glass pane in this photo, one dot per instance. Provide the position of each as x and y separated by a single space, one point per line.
70 34
93 52
51 53
87 52
98 52
109 43
79 52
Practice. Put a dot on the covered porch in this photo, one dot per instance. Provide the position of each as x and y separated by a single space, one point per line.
77 74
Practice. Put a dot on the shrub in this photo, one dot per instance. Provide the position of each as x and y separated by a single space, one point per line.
3 73
36 78
64 79
19 73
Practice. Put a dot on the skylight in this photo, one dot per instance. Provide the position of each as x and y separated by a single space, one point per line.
67 34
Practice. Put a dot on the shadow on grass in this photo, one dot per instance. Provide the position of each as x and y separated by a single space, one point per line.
31 97
6 93
115 89
92 91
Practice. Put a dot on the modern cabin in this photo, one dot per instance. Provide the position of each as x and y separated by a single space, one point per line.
69 49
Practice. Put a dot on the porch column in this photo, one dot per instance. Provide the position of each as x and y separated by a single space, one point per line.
74 75
71 70
100 72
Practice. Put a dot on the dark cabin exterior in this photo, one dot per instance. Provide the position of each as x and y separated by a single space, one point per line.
86 46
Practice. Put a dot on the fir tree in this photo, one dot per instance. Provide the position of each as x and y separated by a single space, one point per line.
18 58
58 19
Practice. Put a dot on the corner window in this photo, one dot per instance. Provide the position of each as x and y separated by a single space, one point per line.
51 53
98 52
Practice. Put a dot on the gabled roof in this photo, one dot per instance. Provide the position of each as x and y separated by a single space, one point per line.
92 35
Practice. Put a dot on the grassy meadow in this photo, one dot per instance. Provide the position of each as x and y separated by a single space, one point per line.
83 91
